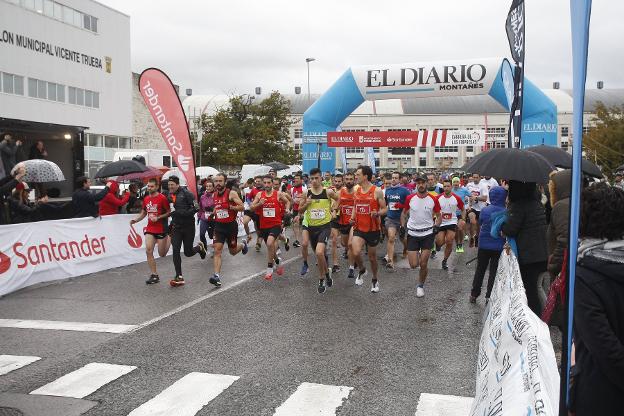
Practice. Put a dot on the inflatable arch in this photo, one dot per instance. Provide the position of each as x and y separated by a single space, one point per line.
493 77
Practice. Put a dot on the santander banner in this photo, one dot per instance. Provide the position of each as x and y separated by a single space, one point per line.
422 138
164 104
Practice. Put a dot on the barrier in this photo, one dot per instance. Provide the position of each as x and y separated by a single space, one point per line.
45 251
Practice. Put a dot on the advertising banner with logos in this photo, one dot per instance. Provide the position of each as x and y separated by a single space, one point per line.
422 138
45 251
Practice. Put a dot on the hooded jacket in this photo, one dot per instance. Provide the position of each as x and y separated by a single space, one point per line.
557 235
110 204
498 195
599 328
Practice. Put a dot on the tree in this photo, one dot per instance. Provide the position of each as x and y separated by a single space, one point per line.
604 143
245 132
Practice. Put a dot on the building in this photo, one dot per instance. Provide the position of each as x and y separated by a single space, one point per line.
65 80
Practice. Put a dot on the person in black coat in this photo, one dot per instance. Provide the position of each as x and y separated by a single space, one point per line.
598 386
84 203
526 223
6 185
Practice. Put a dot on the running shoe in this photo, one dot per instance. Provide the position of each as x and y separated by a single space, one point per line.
351 274
444 265
359 281
385 259
433 254
329 281
268 277
215 280
280 270
304 269
390 266
375 287
466 237
321 286
345 255
335 268
202 250
287 244
473 299
245 249
152 279
420 292
258 247
296 244
177 281
459 248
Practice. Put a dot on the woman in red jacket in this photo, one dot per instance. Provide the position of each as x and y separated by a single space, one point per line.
110 204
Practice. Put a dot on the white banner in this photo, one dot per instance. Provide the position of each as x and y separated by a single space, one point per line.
44 251
516 369
427 79
465 138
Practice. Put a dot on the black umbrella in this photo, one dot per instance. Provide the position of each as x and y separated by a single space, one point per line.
511 164
121 167
563 159
277 165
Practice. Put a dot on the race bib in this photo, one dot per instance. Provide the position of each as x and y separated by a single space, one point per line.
363 209
222 213
171 207
392 206
475 193
446 216
268 212
317 214
207 215
348 210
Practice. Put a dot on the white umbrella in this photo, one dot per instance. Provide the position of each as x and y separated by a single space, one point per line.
40 171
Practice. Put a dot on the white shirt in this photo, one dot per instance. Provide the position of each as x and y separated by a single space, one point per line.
449 207
420 221
490 183
478 190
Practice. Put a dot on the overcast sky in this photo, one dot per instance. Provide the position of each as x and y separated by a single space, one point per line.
233 46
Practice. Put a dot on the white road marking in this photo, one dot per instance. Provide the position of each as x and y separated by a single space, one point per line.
186 396
84 381
442 405
314 399
9 363
66 326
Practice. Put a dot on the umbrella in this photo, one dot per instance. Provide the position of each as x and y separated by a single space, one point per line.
511 164
277 165
563 159
41 170
120 168
620 169
151 172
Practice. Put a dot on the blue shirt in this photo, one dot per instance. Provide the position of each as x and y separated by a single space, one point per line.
461 192
396 195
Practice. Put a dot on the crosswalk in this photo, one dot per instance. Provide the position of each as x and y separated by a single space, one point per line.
191 393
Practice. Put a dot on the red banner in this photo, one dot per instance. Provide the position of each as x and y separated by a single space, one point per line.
164 104
372 138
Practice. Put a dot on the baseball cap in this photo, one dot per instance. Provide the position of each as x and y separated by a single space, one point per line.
456 180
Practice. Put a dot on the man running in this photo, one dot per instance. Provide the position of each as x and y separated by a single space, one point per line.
335 226
316 206
227 205
369 207
268 203
156 208
395 196
286 216
421 217
463 194
183 208
296 192
449 205
344 211
478 200
251 215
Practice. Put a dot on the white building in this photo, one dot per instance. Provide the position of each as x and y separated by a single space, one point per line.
66 79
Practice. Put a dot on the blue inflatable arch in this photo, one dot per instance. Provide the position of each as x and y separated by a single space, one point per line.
493 77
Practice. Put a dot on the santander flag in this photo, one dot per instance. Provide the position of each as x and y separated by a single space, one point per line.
164 104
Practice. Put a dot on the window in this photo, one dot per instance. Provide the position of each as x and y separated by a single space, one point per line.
111 142
79 96
88 98
402 150
565 131
68 15
423 150
422 162
58 11
78 19
94 23
39 6
51 91
71 92
87 22
469 149
29 4
12 84
586 129
354 149
60 93
446 149
298 133
48 8
297 147
42 89
96 100
166 161
32 87
95 140
125 143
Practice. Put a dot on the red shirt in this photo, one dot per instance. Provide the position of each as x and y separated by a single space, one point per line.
255 191
155 206
365 204
347 201
222 211
271 212
296 192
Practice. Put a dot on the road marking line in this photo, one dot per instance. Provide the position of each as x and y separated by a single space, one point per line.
66 326
187 396
314 399
9 363
84 381
443 405
203 298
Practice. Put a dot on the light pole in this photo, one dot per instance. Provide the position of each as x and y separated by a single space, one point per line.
308 60
318 144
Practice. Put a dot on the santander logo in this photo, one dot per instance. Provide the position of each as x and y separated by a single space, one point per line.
183 162
5 262
134 239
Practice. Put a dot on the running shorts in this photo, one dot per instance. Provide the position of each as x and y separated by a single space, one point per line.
266 232
449 227
319 234
392 223
226 232
420 243
158 236
371 237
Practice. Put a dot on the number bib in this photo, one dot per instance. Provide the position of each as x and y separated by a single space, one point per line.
222 213
446 216
317 214
268 212
392 206
348 210
363 209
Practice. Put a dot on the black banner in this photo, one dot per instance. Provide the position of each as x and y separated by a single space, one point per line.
514 27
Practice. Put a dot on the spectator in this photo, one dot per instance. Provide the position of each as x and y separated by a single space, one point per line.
135 205
526 222
599 304
205 213
38 151
112 202
8 151
619 183
21 209
6 184
559 186
84 203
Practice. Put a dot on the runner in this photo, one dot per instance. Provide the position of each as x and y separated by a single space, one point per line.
463 194
251 215
227 205
249 185
316 206
156 208
344 211
369 207
296 192
478 197
418 217
395 196
268 204
205 214
182 230
335 226
286 218
449 203
490 182
328 180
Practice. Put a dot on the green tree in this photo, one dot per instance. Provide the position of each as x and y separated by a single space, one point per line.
247 132
604 143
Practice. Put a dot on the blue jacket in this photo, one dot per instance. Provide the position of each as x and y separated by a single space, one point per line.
498 195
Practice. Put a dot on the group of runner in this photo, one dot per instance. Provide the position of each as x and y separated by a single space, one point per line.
348 209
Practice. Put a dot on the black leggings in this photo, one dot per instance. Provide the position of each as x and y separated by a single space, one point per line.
182 234
530 272
483 258
206 226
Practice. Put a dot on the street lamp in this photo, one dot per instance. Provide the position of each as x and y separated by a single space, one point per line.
318 144
308 60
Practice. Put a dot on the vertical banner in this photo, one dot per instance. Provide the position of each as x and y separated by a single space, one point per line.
343 158
166 109
580 11
370 157
514 26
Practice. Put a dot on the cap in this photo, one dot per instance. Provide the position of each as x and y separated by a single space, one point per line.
22 186
421 178
456 180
